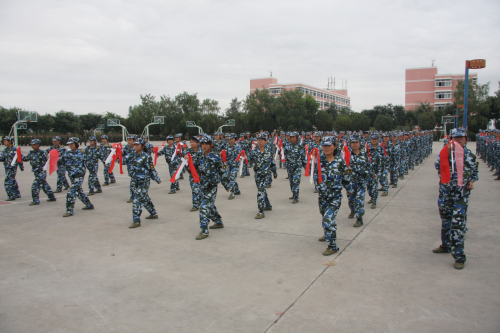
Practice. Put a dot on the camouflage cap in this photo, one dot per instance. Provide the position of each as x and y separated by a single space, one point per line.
169 137
457 132
35 142
8 138
92 138
354 138
206 139
262 136
178 135
56 138
73 140
328 141
132 136
140 141
104 136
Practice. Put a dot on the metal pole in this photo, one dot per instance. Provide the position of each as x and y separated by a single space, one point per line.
456 119
466 93
15 134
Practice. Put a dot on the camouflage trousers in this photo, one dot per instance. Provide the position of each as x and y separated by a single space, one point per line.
108 176
372 188
172 168
262 199
246 169
329 208
141 199
76 191
453 202
229 179
383 180
394 174
411 161
295 175
195 192
41 182
357 200
10 183
208 211
403 166
93 181
61 178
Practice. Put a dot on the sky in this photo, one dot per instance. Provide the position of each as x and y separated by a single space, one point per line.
98 56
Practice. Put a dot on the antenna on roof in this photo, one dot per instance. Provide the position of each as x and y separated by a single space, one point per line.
328 85
271 72
432 62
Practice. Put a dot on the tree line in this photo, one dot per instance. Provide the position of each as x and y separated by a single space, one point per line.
262 110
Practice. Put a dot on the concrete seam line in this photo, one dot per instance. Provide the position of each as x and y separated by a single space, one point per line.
326 268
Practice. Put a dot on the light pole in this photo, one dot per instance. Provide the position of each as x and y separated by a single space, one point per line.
472 64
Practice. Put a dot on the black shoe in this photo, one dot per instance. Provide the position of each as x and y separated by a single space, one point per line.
88 208
53 199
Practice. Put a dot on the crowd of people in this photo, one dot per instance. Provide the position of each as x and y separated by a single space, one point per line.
358 162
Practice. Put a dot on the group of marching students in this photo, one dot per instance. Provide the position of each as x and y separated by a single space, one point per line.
354 161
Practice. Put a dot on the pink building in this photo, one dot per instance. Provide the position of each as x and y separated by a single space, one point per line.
425 85
324 97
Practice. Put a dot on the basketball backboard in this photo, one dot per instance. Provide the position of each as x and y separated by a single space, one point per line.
27 116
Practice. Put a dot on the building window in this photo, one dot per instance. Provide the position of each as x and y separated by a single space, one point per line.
439 106
443 82
275 91
474 81
443 95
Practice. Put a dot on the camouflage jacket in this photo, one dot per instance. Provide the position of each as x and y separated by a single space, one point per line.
93 154
263 163
37 159
74 161
231 155
209 169
470 168
360 166
142 168
61 149
376 155
104 151
6 157
295 155
334 178
168 152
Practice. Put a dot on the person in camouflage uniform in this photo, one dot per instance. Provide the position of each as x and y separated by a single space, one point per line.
141 171
196 154
209 169
263 165
296 160
376 153
92 164
394 153
384 169
104 151
333 178
37 159
361 170
231 167
6 157
453 200
129 149
61 170
249 142
403 151
173 159
178 140
74 161
411 151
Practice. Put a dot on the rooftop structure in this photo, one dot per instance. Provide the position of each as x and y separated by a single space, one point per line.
324 97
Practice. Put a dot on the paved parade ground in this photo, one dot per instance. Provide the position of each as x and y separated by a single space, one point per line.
91 273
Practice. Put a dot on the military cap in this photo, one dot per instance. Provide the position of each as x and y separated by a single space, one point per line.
140 141
35 142
8 138
262 136
282 132
132 136
104 136
457 132
206 138
328 141
56 138
178 135
145 136
92 138
73 140
169 137
317 133
354 138
374 136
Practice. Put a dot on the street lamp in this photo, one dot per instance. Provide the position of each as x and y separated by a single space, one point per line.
472 64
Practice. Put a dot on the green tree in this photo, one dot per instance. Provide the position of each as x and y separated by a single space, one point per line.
67 122
359 122
478 107
234 108
427 120
383 123
323 121
399 115
342 123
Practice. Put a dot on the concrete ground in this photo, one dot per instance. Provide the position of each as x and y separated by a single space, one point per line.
90 273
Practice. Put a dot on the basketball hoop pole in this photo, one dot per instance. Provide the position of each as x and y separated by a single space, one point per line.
146 129
14 129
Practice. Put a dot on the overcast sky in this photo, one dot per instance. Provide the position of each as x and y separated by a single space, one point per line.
96 56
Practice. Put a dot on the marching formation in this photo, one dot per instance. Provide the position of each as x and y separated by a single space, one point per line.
358 162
